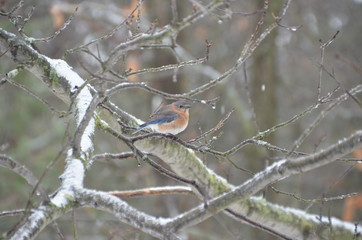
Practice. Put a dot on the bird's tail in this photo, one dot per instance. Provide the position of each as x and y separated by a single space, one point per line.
142 126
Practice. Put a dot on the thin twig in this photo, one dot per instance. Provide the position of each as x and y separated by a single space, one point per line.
321 62
331 185
123 155
257 225
15 8
321 116
262 10
143 85
174 12
106 36
12 212
200 6
24 172
317 200
219 125
238 167
147 38
267 132
248 49
166 190
20 28
31 93
167 67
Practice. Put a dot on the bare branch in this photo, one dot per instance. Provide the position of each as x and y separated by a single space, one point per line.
147 38
322 114
110 34
273 173
317 200
246 52
12 212
152 191
113 156
321 63
54 35
31 93
15 8
167 67
25 173
126 213
219 125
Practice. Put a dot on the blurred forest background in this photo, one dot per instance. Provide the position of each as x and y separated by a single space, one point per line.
279 81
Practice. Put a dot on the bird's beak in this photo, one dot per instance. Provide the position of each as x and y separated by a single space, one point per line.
187 105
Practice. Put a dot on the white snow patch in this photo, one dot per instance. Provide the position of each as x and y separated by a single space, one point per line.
269 168
64 70
163 221
170 188
315 218
61 198
83 99
13 73
73 174
138 121
104 123
190 151
86 143
34 218
72 178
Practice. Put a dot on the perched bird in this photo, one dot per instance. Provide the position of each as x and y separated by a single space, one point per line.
172 118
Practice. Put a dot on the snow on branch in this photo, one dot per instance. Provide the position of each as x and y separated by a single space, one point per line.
155 226
82 101
185 163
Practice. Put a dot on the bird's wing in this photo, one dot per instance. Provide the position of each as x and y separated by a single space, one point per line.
165 116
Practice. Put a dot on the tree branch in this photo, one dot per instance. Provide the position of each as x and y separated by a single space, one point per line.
185 163
16 167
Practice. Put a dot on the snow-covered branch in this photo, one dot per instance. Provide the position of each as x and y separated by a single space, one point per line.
185 163
155 226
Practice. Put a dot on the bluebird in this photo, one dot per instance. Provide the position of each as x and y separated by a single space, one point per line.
172 118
